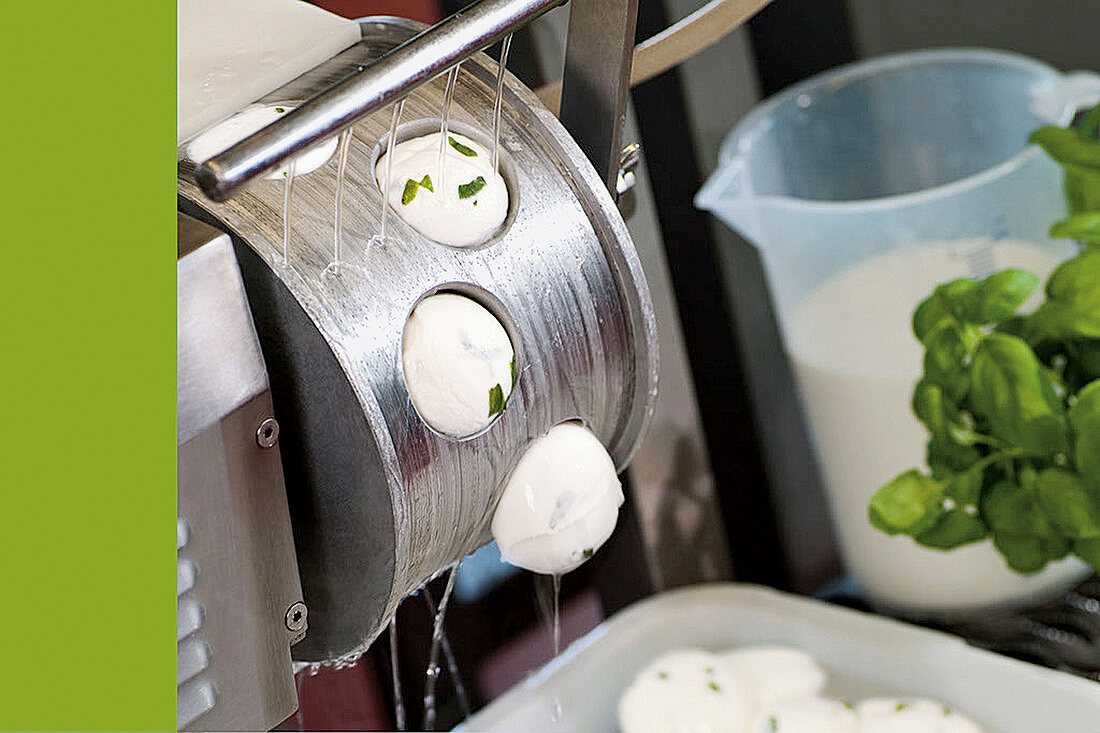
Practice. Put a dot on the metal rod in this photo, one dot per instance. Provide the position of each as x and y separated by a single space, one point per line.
398 72
596 80
675 44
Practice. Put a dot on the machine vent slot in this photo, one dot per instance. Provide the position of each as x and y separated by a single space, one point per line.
181 533
192 657
188 618
185 576
193 702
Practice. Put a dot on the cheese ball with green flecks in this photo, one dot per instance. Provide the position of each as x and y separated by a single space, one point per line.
462 209
885 715
686 691
458 363
559 504
807 715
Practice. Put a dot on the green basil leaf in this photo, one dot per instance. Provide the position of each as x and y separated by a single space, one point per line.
1089 126
1084 418
1068 149
940 416
426 182
1086 356
1024 554
999 295
1012 391
1012 509
1089 551
1071 508
950 447
1084 226
947 355
1057 546
910 504
966 487
515 372
955 528
1073 299
496 400
1046 435
929 407
468 152
946 457
1013 326
409 193
950 301
1082 192
466 190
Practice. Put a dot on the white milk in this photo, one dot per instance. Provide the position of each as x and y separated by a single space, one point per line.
856 361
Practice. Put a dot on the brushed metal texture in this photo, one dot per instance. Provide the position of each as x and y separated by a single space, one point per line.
218 361
380 502
236 568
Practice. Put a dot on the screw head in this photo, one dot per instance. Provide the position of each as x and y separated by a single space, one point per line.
296 616
268 433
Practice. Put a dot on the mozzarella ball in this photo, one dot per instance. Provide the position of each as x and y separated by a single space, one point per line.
560 503
807 715
685 691
458 362
882 715
231 131
776 673
474 200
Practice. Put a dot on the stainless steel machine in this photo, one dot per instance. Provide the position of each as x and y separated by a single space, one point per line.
312 498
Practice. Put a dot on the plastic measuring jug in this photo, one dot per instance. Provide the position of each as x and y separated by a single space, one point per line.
863 188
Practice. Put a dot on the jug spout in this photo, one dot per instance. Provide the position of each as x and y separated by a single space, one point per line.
726 195
1057 101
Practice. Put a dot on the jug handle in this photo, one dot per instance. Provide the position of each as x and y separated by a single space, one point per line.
1078 90
726 183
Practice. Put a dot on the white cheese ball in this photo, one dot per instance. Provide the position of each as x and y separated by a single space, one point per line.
685 691
807 715
560 503
884 715
231 131
445 216
454 354
776 673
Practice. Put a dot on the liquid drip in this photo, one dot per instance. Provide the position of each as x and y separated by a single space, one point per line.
448 654
505 46
555 712
444 116
288 188
432 674
548 601
337 227
380 238
557 614
398 700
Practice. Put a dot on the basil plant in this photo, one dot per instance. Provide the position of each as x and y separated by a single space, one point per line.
1011 401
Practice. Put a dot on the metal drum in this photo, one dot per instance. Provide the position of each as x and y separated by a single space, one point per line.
380 502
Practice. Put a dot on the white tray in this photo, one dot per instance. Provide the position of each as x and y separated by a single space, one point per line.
864 654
